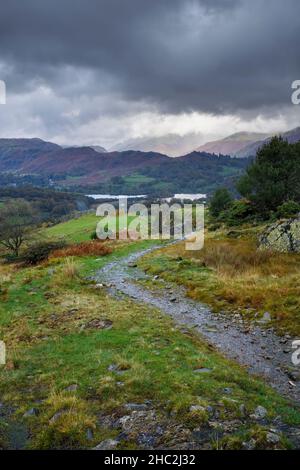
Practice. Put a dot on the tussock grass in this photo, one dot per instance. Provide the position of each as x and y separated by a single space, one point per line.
234 274
70 269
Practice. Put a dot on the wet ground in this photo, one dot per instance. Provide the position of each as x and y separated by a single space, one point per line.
259 349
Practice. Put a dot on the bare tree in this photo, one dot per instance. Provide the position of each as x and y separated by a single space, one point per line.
16 222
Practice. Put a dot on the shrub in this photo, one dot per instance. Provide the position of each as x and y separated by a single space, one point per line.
94 236
220 201
40 251
239 212
92 248
288 209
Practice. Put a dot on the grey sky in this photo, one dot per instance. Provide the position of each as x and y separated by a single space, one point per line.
101 71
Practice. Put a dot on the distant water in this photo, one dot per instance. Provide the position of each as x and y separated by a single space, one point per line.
112 196
190 197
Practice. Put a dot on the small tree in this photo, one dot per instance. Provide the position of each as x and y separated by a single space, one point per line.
274 177
220 201
16 221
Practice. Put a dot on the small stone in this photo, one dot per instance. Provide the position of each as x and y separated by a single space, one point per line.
56 416
71 388
136 406
89 435
209 409
249 445
31 412
195 408
259 413
273 438
108 444
242 409
227 390
100 324
266 317
294 375
202 370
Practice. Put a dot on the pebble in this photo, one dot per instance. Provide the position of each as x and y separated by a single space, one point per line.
108 444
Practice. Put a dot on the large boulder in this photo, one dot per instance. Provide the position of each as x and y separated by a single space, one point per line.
282 236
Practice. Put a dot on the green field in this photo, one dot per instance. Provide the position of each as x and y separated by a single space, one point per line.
78 230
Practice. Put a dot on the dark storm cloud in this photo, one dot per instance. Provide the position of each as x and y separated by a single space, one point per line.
181 55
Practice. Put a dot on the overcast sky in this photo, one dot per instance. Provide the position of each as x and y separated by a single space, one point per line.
103 71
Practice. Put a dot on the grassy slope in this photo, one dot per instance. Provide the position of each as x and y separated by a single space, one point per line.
44 316
76 230
232 274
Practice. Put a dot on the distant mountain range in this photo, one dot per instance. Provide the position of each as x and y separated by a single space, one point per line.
35 161
245 144
172 145
83 168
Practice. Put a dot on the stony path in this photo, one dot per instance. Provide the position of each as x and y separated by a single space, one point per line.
260 350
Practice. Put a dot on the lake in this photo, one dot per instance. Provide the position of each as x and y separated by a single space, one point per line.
190 197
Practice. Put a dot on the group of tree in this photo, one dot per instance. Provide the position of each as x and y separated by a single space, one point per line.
50 205
269 188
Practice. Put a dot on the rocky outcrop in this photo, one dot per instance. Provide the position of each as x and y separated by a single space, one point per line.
282 236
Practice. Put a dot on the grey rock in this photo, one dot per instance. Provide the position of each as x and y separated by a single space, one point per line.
195 408
283 236
227 390
31 412
266 317
249 445
89 435
259 413
202 370
242 409
108 444
273 438
132 265
136 406
71 388
56 416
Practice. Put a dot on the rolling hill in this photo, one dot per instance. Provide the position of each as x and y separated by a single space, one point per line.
84 169
245 144
232 145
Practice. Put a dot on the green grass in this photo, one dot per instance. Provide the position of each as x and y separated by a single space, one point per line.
42 317
74 230
136 179
80 229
